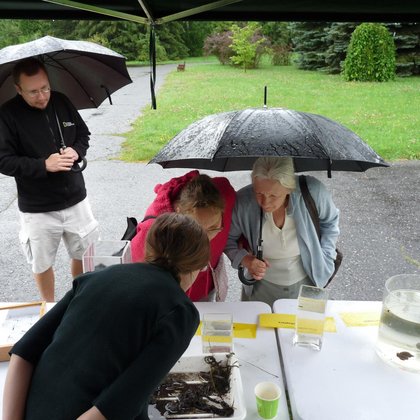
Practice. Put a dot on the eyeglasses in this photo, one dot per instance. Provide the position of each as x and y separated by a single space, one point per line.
34 93
216 230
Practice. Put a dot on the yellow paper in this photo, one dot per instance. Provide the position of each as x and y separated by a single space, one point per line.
310 326
240 330
288 321
360 319
277 320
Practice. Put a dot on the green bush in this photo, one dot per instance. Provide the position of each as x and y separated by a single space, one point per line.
281 55
248 45
370 54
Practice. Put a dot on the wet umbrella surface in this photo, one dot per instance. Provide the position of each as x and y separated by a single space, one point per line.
87 73
232 141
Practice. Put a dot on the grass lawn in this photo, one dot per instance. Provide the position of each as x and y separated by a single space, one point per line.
385 115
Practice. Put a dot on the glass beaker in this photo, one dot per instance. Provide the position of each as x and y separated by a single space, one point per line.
399 328
310 317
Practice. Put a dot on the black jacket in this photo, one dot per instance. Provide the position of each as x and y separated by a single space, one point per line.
28 136
109 342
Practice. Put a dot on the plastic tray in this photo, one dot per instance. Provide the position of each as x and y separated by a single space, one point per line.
197 364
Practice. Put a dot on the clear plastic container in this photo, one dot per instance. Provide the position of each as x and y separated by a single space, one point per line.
102 254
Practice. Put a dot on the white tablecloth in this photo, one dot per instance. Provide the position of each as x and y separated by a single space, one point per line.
346 380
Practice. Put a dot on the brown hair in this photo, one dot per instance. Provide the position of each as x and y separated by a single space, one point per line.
200 192
28 66
177 243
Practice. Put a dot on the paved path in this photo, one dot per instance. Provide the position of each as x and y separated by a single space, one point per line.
380 216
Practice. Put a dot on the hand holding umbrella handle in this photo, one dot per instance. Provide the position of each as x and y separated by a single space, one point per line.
243 279
241 275
77 168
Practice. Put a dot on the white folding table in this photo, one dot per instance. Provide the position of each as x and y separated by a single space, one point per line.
346 380
258 357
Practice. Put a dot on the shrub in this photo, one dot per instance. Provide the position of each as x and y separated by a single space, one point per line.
248 45
281 55
370 54
219 44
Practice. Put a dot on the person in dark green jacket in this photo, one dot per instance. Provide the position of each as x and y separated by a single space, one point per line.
102 350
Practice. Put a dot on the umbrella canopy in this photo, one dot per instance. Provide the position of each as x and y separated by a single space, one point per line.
85 72
232 141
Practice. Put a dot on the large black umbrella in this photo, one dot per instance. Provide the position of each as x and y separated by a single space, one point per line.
232 141
85 72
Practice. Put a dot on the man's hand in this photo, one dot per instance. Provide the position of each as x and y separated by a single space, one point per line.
59 162
256 268
69 151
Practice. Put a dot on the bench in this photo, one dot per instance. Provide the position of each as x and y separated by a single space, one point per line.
181 67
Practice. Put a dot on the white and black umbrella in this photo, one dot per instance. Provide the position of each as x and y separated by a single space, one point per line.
87 73
232 141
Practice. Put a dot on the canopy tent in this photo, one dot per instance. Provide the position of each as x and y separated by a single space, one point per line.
161 11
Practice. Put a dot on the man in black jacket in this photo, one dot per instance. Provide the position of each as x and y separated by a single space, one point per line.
42 137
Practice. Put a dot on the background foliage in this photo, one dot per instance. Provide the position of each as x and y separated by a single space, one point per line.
313 45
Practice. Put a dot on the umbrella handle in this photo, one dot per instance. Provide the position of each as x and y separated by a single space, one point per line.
243 279
77 168
241 275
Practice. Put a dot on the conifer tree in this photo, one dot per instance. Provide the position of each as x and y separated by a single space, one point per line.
338 38
407 43
310 43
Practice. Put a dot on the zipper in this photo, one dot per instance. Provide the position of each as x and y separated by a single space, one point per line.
52 132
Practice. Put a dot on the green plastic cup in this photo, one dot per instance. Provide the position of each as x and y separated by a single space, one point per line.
268 396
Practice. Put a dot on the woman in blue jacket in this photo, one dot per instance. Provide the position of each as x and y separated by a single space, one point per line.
293 253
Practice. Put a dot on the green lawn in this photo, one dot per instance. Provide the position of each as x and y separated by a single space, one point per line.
385 115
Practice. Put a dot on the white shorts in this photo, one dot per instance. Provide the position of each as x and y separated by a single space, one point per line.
41 233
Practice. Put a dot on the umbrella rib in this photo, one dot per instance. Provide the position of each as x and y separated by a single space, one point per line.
309 134
59 65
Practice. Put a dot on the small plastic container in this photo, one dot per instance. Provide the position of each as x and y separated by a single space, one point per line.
102 254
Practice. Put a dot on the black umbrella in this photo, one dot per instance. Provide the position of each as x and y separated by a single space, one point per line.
87 73
232 141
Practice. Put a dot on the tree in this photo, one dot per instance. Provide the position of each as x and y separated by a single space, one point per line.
64 29
10 32
248 45
338 38
127 38
20 30
281 43
170 36
310 43
194 35
407 43
370 54
327 49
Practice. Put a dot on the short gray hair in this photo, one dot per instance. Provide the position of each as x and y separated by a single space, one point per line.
279 169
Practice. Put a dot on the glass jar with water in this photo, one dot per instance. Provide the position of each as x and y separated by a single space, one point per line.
399 328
